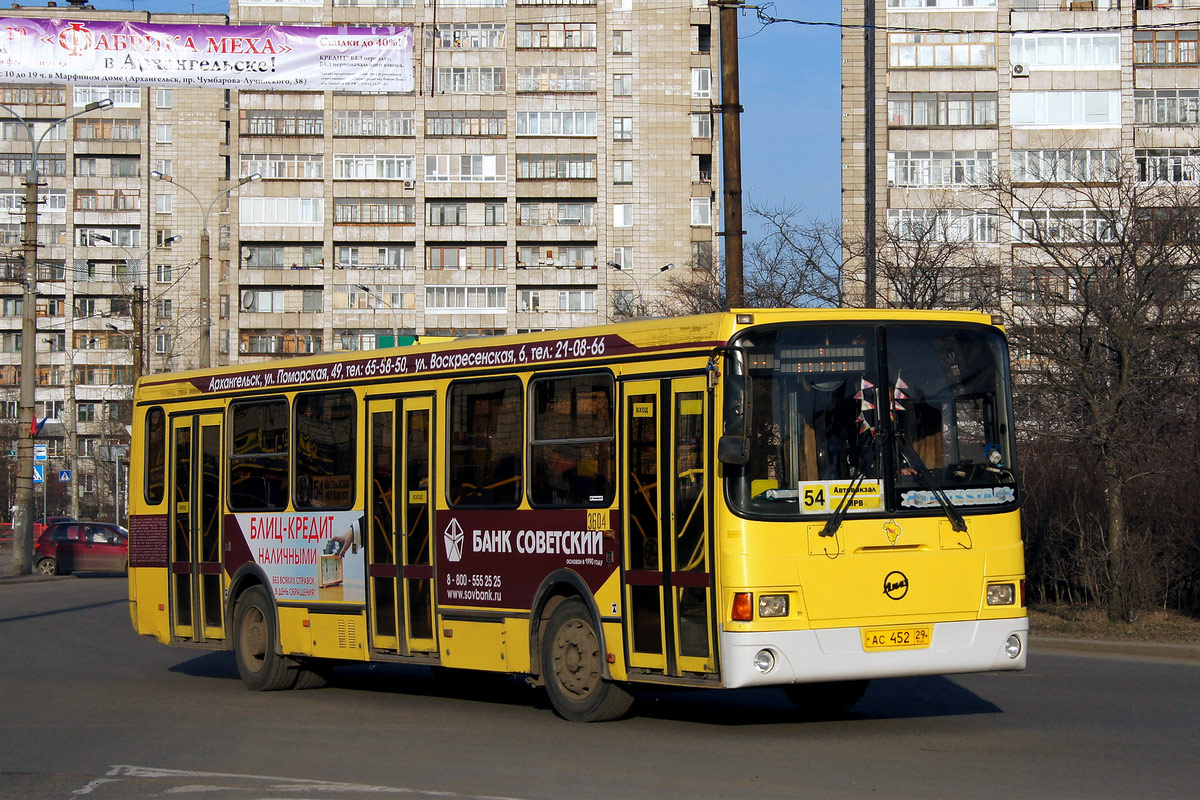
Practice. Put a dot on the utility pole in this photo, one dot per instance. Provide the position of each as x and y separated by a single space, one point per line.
22 563
869 289
731 153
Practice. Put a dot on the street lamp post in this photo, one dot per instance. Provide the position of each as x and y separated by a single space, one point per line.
142 302
205 289
641 309
22 562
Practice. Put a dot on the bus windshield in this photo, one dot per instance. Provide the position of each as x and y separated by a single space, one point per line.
891 415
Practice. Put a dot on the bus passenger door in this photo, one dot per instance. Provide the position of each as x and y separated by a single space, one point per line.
197 561
414 493
667 552
400 500
381 533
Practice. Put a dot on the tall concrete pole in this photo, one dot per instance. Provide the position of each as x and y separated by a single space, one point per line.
731 154
205 299
22 563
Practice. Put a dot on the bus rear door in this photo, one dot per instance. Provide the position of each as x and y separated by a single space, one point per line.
666 524
400 523
197 568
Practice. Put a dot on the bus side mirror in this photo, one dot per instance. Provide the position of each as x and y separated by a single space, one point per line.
733 450
733 447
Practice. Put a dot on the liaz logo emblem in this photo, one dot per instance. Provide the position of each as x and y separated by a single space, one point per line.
453 537
895 585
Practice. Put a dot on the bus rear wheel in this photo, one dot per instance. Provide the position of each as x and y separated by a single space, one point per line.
824 699
572 666
260 667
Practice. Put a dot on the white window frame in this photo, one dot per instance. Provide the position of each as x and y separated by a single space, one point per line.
702 82
701 212
622 215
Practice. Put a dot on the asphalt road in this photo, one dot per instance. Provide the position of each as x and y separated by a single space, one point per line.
89 709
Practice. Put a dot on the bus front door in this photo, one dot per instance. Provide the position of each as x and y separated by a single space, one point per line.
666 524
197 568
400 499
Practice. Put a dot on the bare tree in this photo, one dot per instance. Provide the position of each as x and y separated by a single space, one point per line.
796 263
1103 291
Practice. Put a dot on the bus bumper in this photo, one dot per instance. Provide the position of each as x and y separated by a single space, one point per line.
835 654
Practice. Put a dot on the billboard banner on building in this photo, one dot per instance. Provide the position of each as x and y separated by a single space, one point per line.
116 53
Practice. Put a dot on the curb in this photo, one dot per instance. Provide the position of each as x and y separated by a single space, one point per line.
1160 650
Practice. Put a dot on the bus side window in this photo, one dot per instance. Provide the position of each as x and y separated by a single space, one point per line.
258 455
571 447
154 456
486 428
326 444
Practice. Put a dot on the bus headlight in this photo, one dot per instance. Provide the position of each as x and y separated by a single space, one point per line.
764 661
1001 594
1012 647
773 605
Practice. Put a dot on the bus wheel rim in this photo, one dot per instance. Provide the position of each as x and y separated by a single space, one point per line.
254 638
577 658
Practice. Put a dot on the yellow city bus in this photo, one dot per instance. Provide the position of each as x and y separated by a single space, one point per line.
806 499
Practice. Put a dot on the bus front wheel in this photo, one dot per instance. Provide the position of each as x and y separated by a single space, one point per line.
261 668
572 665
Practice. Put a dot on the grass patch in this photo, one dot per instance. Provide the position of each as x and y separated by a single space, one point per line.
1090 622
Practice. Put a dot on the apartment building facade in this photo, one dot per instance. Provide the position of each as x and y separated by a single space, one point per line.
1039 94
553 157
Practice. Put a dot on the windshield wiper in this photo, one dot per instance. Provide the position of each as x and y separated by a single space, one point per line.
914 460
839 514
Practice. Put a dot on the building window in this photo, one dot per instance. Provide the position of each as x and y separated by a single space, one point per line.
1066 108
446 214
1064 166
1180 165
165 166
622 215
577 300
702 126
163 98
465 123
701 211
556 167
1072 225
372 122
941 50
556 123
701 82
164 343
622 85
85 412
944 225
1072 50
281 211
163 273
556 35
457 35
480 299
446 257
306 166
1165 47
164 203
164 134
467 80
622 43
311 301
374 167
374 211
942 109
121 97
494 214
1166 106
623 171
465 168
622 129
163 309
946 168
529 300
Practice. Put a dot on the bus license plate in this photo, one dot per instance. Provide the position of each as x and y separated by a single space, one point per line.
914 637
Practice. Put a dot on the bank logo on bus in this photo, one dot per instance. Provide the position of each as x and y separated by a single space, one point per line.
453 537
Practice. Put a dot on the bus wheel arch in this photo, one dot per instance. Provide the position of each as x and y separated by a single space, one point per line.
571 657
558 586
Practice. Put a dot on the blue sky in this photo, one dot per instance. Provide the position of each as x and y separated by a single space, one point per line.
791 92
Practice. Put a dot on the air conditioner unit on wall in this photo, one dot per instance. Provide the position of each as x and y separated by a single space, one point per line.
410 184
1020 71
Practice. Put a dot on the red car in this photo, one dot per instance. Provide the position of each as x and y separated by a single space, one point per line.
75 546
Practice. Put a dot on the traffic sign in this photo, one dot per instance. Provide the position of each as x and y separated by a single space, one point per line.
39 473
39 452
64 476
